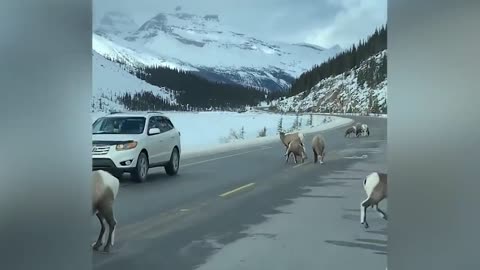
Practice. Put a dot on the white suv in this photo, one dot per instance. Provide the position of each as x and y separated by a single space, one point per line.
135 142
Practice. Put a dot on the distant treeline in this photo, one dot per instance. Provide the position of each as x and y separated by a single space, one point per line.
201 93
192 91
147 101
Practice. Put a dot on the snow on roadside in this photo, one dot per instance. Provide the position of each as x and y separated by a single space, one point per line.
208 131
360 114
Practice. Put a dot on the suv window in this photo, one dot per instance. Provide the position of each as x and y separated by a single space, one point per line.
165 125
154 122
119 125
170 123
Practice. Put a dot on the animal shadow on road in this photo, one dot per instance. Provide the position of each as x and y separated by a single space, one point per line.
328 184
126 179
378 246
324 196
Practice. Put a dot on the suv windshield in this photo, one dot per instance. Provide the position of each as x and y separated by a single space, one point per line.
119 125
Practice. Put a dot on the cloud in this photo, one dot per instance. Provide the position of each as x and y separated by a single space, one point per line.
356 20
321 22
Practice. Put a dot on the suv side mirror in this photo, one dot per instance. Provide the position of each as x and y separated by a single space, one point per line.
153 131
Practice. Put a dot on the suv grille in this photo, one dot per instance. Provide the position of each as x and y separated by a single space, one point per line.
100 149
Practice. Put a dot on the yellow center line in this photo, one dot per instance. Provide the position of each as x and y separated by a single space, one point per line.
236 190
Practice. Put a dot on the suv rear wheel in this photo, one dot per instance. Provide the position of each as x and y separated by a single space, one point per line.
141 170
172 167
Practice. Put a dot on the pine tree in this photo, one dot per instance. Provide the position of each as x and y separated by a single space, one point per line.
242 133
310 121
375 107
280 125
370 101
295 123
263 132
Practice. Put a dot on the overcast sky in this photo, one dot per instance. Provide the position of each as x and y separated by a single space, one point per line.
321 22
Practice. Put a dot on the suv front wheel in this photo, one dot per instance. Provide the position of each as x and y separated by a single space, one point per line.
140 172
172 167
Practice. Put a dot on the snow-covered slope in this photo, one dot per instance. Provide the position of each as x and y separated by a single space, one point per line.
342 93
116 48
205 44
110 80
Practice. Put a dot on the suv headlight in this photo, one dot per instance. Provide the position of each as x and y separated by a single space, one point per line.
126 146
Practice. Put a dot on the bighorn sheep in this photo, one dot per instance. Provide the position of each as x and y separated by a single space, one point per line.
105 189
296 147
318 146
287 138
358 125
363 130
351 130
375 185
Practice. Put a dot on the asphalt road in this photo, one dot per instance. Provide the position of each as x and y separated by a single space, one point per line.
247 209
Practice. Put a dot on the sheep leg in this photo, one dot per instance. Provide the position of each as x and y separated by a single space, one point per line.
287 156
295 158
99 241
108 213
323 156
382 214
315 156
363 212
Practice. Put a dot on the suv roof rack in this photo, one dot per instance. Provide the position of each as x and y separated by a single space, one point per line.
135 112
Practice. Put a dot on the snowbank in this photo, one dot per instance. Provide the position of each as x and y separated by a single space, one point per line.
359 114
210 131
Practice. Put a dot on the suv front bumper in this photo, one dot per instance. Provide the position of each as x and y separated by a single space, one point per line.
116 161
107 164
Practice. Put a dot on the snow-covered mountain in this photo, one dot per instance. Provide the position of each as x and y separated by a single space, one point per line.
117 23
203 44
111 80
347 92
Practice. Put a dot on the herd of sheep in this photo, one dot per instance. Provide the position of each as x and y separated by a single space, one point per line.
105 186
375 184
